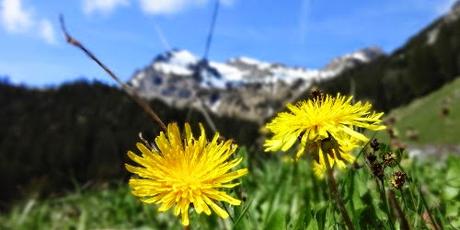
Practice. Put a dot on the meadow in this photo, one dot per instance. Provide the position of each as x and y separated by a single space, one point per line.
281 193
278 193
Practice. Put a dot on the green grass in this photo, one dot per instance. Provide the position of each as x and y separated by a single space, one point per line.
277 194
424 116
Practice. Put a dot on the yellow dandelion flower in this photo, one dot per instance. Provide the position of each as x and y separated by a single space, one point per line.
327 117
313 120
185 171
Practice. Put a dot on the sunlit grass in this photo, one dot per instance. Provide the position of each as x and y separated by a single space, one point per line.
277 194
424 117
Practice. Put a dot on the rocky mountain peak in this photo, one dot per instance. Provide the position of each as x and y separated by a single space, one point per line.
361 56
243 87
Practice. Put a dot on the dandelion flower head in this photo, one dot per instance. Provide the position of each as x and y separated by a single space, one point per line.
312 121
184 171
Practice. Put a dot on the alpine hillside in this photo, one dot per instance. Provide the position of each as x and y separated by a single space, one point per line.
426 62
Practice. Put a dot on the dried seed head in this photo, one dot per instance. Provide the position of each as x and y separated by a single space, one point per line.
378 170
371 158
390 159
398 179
375 144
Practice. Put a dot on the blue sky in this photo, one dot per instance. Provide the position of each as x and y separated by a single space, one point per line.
128 34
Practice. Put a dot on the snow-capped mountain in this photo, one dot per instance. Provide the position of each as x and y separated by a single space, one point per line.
348 61
242 86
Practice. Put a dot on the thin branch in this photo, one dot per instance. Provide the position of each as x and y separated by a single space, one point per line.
206 116
211 29
404 224
131 93
434 225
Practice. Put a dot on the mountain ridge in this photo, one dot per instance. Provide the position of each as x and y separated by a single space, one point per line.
242 86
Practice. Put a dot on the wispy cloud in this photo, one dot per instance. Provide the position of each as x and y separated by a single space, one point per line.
153 7
15 18
103 6
158 7
46 31
162 37
163 7
303 19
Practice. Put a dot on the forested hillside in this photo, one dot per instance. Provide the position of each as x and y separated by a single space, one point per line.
79 132
425 63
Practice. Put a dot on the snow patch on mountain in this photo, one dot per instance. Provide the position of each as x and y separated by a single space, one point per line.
244 87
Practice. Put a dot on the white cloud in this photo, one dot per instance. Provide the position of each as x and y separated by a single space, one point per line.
170 6
46 31
14 17
155 7
103 6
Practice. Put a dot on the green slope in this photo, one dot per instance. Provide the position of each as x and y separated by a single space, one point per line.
424 116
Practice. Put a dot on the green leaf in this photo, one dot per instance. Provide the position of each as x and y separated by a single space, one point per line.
313 225
277 221
243 212
450 192
301 221
452 177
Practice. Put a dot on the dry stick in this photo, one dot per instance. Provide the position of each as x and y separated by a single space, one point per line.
335 193
427 209
131 93
206 116
399 211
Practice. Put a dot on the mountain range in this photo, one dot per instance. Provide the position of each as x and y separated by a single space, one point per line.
242 87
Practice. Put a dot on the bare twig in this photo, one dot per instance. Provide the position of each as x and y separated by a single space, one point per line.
404 224
206 116
430 221
211 29
150 145
131 93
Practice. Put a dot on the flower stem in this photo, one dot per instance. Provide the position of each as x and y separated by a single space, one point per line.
385 202
404 224
333 189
